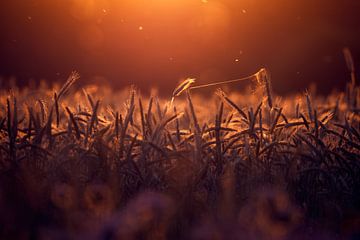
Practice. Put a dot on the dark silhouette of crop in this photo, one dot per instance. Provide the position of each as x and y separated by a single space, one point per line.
84 165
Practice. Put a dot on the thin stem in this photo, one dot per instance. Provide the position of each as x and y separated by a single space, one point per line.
223 82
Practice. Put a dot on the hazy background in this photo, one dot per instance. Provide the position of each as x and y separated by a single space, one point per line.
158 42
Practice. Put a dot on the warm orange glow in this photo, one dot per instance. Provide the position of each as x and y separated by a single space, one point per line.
208 19
152 32
160 42
179 119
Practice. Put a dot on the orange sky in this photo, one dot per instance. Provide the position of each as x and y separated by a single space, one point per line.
158 42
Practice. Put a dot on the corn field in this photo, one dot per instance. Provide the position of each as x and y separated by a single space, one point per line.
94 163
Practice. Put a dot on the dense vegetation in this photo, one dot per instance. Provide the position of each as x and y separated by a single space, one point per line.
236 166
